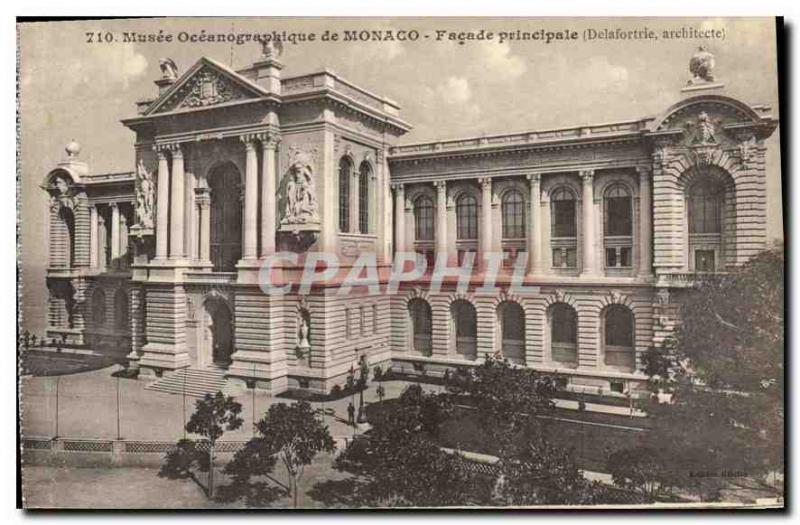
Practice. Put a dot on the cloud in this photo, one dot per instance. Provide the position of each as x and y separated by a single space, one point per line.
456 90
499 61
112 64
603 75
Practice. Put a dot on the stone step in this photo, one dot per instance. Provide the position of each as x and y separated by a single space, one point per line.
193 382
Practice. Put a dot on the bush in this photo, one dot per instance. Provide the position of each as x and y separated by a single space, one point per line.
336 391
377 373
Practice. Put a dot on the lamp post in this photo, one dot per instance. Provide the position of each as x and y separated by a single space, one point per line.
362 382
119 434
254 400
58 381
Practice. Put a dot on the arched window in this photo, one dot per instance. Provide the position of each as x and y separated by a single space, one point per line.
99 307
618 211
421 325
618 338
513 212
226 217
423 218
364 174
704 208
511 319
562 204
705 205
617 226
563 323
563 228
466 217
345 172
465 328
67 219
121 311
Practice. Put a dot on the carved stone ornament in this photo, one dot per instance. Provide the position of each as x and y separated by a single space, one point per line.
206 88
61 193
145 196
169 71
701 66
301 197
705 131
271 47
747 149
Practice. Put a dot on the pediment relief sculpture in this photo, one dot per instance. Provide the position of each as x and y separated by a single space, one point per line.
207 87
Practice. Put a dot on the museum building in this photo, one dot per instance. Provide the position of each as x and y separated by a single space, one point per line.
612 221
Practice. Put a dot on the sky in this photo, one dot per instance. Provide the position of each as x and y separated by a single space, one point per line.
73 89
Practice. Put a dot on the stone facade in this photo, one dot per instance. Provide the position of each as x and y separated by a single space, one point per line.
233 166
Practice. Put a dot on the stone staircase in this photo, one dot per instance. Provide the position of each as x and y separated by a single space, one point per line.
197 381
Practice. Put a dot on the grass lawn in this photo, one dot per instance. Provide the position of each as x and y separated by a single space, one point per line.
46 363
591 441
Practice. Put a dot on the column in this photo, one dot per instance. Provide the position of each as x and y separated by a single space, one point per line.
123 237
399 218
189 215
269 145
93 237
114 232
486 219
101 243
441 216
589 267
535 225
176 206
203 211
250 233
645 223
162 205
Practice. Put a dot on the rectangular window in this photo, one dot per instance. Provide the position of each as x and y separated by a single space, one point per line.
625 256
611 257
565 258
704 260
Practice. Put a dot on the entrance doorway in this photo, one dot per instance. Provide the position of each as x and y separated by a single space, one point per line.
217 343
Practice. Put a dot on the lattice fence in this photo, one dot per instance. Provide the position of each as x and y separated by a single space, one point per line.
87 445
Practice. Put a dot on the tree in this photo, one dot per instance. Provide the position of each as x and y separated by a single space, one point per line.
398 462
724 375
643 470
506 397
212 417
289 434
539 472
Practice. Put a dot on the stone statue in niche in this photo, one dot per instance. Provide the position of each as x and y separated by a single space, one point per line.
145 196
302 350
301 200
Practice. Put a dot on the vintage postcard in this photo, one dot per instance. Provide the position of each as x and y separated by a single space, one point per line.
347 263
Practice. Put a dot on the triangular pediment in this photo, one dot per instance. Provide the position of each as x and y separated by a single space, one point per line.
207 83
